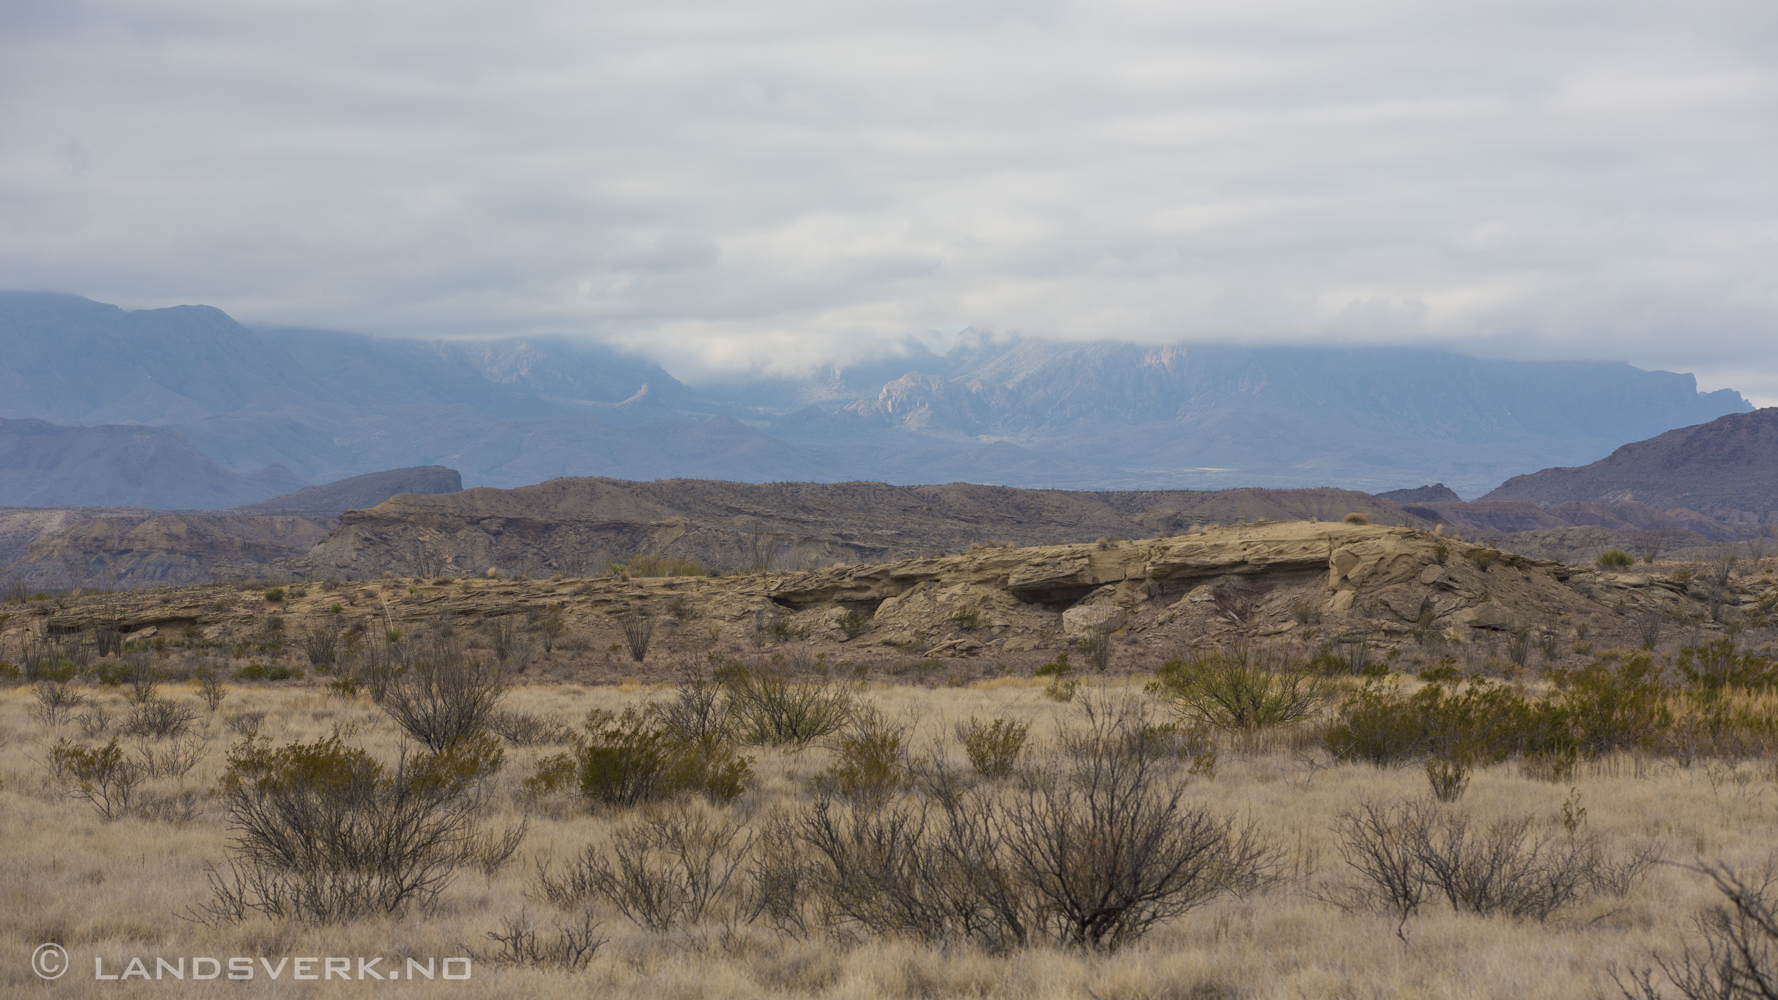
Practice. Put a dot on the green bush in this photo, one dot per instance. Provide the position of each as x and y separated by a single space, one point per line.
260 672
1613 703
872 760
1061 686
993 747
1616 559
1482 721
324 832
1616 702
633 758
1237 689
1716 667
274 595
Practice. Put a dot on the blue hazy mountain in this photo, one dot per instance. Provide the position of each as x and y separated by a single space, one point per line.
326 405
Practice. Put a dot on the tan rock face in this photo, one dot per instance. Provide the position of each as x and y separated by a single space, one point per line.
1341 580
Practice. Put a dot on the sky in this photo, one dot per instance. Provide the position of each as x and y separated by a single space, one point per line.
769 185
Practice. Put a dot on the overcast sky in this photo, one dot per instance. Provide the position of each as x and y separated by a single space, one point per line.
765 184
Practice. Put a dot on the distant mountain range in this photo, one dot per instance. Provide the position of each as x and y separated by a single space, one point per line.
1726 469
274 410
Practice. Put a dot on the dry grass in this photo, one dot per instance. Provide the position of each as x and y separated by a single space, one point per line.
118 889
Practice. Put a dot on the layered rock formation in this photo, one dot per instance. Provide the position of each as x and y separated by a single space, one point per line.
1310 580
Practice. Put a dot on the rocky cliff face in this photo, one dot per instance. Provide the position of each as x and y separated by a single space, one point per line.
1306 580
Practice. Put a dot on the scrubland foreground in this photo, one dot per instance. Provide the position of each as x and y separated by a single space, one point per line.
1244 822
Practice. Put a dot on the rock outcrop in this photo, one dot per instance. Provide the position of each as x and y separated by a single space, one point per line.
1310 580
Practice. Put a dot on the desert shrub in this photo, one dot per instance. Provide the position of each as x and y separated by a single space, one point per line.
852 624
699 708
159 718
1738 959
55 701
655 564
261 672
1356 518
936 870
1717 667
1518 647
1106 842
872 758
522 729
1448 774
444 695
1482 722
245 723
1648 628
573 946
1061 686
1616 559
993 747
664 871
638 633
94 722
511 646
323 832
1095 648
210 686
274 595
104 776
1238 689
1616 702
321 641
631 758
176 759
771 710
1407 854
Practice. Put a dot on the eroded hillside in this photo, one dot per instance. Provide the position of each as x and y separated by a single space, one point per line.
1316 581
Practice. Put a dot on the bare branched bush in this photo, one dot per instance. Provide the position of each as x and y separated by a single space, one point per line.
56 701
1095 648
699 708
444 695
1648 628
321 641
246 723
1405 854
160 719
210 686
937 871
94 722
669 870
771 710
638 633
512 647
323 832
522 729
176 760
1107 842
143 679
573 946
1739 956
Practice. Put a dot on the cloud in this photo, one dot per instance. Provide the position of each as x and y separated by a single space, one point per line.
771 184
